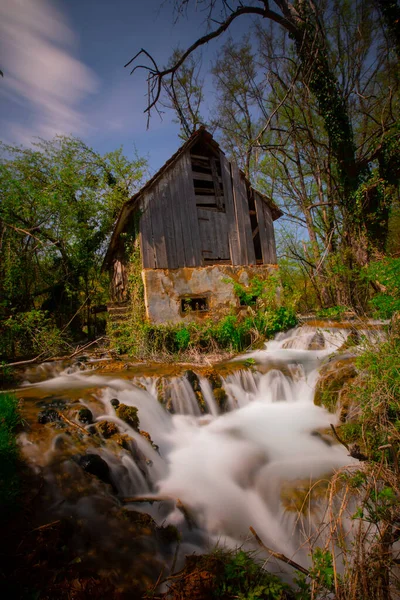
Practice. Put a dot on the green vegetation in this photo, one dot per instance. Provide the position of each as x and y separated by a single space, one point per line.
59 200
385 275
377 392
9 480
243 578
260 317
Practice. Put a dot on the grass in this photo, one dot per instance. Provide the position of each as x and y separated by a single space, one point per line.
9 481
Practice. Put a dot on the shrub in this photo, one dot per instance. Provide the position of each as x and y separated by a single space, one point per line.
386 273
30 333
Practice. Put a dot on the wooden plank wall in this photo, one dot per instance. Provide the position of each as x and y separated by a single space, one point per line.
169 229
213 234
231 221
269 229
247 255
176 233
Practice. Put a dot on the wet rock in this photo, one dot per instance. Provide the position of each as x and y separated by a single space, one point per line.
48 415
221 398
114 402
147 436
214 379
51 402
193 380
333 385
317 342
95 465
168 534
107 429
353 339
85 416
129 415
124 441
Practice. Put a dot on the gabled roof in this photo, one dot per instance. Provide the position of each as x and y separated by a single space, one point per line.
130 205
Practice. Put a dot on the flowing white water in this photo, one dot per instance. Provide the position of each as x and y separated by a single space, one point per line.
232 470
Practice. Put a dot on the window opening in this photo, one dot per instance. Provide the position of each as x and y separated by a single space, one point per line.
207 180
199 304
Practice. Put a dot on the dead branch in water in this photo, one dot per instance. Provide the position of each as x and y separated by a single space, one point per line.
31 361
146 499
353 450
278 555
72 424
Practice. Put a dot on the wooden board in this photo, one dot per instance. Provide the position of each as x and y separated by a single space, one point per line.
157 224
264 232
190 225
164 201
247 255
175 197
146 238
269 227
231 222
213 234
204 176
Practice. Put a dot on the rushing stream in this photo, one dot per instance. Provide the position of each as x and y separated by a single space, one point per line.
219 467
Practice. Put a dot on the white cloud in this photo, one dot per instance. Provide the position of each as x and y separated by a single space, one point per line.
41 72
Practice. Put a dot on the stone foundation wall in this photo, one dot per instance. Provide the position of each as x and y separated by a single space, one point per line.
165 289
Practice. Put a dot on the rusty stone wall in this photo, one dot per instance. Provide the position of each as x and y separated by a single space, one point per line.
164 289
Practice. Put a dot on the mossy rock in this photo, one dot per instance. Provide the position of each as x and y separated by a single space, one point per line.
214 378
129 415
317 341
147 436
193 380
221 398
124 441
334 378
49 415
107 429
201 402
169 534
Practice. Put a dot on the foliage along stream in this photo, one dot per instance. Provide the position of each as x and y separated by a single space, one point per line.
216 463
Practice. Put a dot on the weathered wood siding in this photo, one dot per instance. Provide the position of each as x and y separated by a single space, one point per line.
213 234
247 255
177 231
169 229
231 221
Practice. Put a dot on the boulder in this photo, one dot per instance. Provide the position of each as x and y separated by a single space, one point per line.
85 416
48 415
129 415
107 429
317 341
95 465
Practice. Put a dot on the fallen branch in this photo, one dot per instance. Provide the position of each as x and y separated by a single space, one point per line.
145 499
278 555
339 439
353 450
82 348
72 424
47 526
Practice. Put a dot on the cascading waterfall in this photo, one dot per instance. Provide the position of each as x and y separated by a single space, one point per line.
232 469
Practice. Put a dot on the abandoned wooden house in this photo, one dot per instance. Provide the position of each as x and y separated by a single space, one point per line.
201 226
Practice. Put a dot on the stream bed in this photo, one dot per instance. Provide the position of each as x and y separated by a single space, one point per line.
158 463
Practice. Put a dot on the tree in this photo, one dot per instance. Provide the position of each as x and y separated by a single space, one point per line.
361 180
58 202
184 90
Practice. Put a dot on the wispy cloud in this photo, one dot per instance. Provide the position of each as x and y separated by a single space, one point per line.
41 72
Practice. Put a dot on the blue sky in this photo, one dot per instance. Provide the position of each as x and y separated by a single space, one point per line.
63 64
